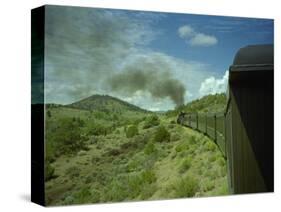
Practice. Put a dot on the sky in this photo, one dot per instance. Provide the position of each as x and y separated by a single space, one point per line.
154 60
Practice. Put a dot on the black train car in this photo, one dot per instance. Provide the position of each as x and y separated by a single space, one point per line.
249 120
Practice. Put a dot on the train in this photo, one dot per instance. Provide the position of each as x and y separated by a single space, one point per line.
244 132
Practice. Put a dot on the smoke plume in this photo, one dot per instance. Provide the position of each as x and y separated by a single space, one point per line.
151 74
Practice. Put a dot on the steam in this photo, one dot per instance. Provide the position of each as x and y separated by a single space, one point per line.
151 74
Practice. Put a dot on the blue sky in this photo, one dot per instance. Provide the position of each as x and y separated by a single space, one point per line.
153 60
232 33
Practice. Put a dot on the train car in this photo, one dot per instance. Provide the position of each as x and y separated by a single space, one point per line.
249 120
211 124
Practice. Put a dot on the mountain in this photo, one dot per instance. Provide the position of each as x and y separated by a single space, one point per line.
105 103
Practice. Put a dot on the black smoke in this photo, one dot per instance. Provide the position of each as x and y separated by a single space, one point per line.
151 74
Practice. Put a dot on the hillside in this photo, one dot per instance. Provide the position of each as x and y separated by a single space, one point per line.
105 103
208 104
96 156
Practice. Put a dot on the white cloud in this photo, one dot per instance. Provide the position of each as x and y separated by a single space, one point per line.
86 45
195 38
78 64
186 31
212 85
201 39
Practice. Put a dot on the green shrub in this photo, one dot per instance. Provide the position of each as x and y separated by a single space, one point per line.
138 182
99 115
95 159
183 154
82 153
93 140
82 196
161 135
133 165
150 148
67 138
151 121
185 187
210 146
214 174
175 137
72 172
221 161
148 176
113 152
173 122
137 121
98 129
95 196
69 199
131 131
208 185
148 191
115 190
182 147
135 185
223 190
199 171
49 171
140 140
50 158
49 114
131 186
222 171
128 146
212 158
171 126
192 139
191 149
185 165
80 122
174 154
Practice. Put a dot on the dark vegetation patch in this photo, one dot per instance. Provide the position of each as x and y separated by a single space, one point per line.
151 121
185 187
161 135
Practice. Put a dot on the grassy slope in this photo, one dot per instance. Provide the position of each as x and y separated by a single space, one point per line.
117 168
207 104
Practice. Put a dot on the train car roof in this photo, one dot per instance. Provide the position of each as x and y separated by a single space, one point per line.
253 58
254 55
249 59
